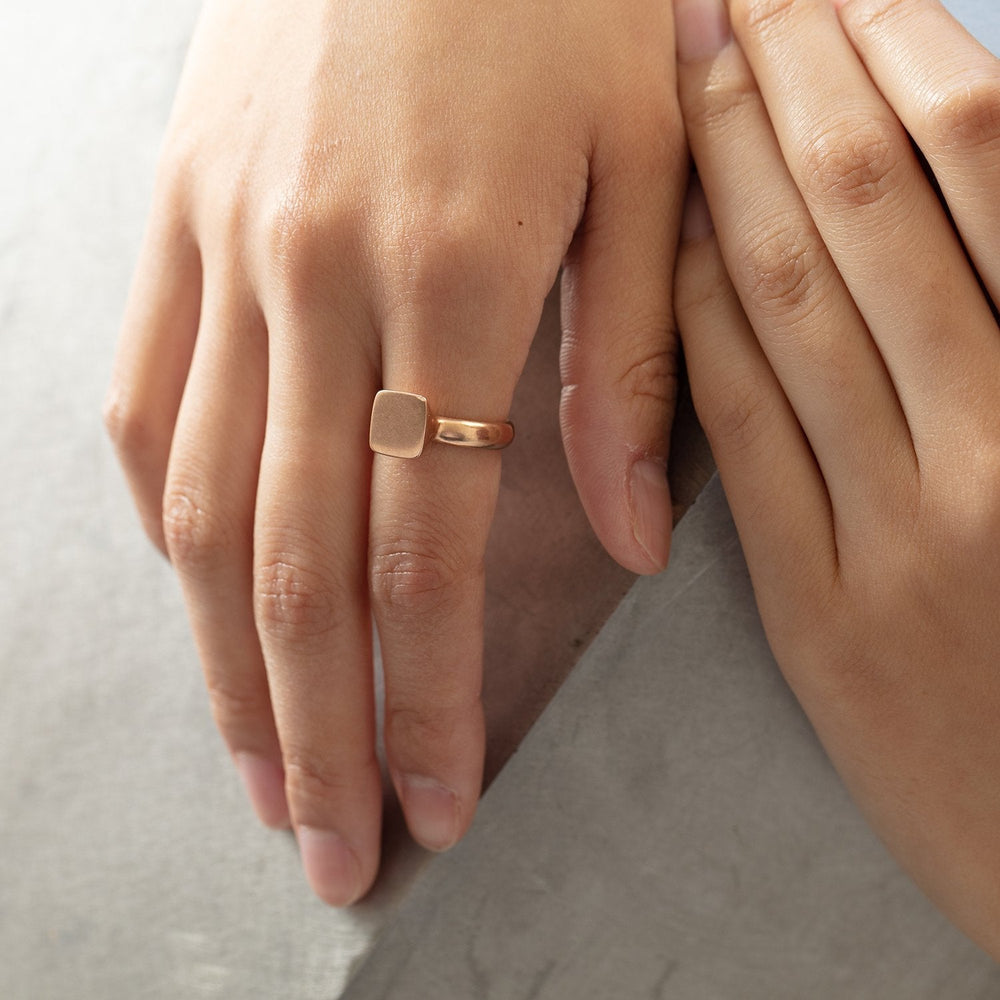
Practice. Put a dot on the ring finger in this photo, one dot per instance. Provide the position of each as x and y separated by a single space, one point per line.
310 548
430 522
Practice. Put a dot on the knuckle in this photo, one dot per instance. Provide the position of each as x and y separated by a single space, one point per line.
176 174
779 269
823 357
433 728
289 229
852 165
295 602
722 103
302 234
223 213
652 377
416 578
197 538
966 503
737 413
662 138
311 782
138 442
754 17
180 157
967 117
443 230
237 711
125 422
813 630
453 248
439 244
876 15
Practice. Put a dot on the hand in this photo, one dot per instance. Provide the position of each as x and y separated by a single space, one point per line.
365 194
848 376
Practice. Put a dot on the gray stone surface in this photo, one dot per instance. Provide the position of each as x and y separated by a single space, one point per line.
130 866
669 829
672 830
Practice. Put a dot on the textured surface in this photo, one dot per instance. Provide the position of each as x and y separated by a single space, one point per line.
670 829
130 867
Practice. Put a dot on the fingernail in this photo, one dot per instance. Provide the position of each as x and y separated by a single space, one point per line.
265 784
702 29
652 515
331 867
697 221
431 811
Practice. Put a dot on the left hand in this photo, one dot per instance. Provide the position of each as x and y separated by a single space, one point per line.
848 377
358 195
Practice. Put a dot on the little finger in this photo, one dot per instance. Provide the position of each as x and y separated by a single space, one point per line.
311 602
151 364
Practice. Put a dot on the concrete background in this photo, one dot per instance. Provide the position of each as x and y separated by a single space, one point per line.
669 828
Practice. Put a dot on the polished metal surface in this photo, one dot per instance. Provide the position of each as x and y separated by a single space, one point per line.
402 425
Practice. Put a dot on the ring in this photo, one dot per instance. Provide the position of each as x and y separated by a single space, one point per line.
402 424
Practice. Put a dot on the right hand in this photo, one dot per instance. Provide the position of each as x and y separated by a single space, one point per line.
844 358
379 193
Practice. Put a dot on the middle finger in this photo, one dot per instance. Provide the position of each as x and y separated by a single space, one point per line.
310 596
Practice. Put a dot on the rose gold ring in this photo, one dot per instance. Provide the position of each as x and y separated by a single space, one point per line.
402 425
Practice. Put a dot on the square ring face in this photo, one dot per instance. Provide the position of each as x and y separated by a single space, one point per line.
399 424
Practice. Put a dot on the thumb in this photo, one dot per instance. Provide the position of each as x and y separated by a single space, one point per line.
620 348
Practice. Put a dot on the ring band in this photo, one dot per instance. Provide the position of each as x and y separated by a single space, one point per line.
402 425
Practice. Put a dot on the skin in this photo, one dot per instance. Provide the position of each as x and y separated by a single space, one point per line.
363 194
845 361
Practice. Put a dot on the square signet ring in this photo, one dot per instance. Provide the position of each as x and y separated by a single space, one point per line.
402 426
